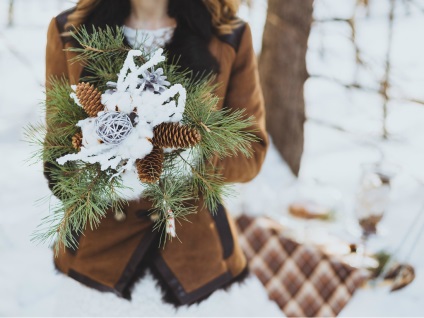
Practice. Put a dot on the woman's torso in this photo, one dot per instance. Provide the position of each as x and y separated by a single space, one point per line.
108 257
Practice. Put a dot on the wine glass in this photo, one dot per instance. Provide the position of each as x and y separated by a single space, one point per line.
373 198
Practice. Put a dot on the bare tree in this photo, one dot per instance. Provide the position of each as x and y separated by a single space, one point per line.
10 13
385 83
362 61
282 67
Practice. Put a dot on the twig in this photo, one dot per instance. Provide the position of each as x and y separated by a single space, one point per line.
412 100
70 210
347 85
206 127
89 48
329 125
367 89
331 20
196 172
385 84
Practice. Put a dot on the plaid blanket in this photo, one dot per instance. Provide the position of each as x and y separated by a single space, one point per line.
300 278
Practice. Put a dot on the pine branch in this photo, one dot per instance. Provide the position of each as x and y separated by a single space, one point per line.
86 194
34 135
171 192
99 42
225 132
103 52
210 185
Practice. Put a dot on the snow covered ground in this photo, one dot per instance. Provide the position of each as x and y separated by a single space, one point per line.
332 157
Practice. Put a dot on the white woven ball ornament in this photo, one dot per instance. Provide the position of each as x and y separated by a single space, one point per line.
113 127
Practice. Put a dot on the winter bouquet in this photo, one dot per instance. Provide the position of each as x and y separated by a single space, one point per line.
134 115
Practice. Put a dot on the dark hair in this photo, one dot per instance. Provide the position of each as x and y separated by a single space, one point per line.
108 12
190 43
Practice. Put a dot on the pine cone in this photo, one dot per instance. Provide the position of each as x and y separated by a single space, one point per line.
77 141
90 98
174 135
150 167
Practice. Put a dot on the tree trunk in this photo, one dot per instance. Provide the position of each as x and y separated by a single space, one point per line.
282 67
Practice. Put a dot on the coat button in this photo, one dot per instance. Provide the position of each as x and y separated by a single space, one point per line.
120 216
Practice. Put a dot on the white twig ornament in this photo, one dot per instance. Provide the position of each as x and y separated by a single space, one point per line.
113 127
170 223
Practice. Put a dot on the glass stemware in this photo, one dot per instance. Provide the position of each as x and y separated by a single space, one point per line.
373 198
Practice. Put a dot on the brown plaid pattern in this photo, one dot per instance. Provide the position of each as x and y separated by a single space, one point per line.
300 278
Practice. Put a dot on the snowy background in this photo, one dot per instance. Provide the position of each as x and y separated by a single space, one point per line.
342 132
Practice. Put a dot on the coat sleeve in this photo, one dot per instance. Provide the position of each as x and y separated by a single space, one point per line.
56 66
244 92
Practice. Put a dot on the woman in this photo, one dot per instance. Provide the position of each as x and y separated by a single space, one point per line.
205 36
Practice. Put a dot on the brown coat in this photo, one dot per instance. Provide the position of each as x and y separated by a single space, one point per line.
208 256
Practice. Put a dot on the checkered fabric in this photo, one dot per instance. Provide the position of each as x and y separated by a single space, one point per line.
300 278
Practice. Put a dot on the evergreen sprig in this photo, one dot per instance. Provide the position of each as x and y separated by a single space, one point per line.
99 43
86 192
